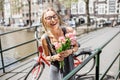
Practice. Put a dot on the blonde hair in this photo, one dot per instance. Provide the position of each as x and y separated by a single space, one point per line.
42 17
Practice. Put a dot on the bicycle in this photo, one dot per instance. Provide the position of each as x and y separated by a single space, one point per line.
38 68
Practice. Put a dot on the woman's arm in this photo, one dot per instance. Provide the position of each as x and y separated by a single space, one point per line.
45 48
48 57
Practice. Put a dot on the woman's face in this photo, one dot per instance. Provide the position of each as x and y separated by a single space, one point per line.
51 19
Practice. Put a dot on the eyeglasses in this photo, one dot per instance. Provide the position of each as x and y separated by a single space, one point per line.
50 17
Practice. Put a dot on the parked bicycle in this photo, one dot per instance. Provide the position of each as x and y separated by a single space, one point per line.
38 68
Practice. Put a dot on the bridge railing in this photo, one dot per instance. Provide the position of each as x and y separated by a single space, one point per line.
15 46
118 74
96 54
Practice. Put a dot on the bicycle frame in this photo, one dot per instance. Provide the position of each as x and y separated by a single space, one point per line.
40 49
41 56
77 62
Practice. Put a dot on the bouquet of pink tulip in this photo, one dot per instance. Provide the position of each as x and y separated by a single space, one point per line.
65 43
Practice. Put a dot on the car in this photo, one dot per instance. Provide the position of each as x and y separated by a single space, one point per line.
71 23
118 22
107 23
6 24
21 24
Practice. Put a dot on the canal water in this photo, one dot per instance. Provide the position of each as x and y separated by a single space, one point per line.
16 38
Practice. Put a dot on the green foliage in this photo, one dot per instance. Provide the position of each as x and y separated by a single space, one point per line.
65 46
17 6
1 5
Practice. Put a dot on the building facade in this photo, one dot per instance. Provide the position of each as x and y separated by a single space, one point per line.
100 9
26 10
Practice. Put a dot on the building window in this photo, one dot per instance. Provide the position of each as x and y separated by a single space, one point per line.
81 8
101 9
112 6
74 8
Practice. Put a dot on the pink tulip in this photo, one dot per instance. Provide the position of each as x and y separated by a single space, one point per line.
62 39
69 35
62 42
73 40
57 45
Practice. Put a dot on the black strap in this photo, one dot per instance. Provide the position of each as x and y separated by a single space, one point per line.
64 30
50 46
48 43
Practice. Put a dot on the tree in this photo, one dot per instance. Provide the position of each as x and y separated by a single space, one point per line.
2 9
29 3
87 12
67 3
16 6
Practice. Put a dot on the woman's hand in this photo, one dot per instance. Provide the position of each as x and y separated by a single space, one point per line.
66 53
58 57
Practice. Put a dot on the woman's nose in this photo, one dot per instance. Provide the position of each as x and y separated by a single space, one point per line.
52 19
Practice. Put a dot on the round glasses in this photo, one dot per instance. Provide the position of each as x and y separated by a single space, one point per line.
50 17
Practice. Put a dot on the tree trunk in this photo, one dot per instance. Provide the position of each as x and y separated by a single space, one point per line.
2 10
30 23
87 13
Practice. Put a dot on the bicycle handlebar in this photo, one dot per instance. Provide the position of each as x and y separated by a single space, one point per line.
83 51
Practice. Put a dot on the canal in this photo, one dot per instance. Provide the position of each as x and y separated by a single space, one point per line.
13 39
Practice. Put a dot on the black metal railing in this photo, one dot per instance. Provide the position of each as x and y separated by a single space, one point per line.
18 45
96 54
118 74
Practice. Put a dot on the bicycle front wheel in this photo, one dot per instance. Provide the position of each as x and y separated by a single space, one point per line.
35 72
88 67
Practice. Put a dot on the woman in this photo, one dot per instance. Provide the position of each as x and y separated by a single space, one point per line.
53 28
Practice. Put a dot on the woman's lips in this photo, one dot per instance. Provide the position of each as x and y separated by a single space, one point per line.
53 24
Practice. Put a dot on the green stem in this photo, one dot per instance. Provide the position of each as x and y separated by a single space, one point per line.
61 64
